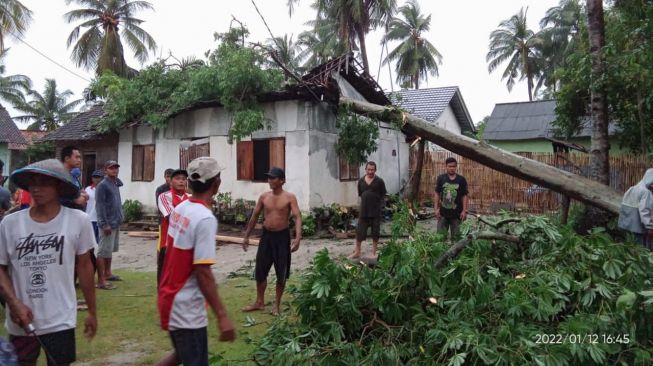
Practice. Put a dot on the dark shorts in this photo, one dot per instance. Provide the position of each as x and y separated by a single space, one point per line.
273 249
449 225
364 223
191 346
59 347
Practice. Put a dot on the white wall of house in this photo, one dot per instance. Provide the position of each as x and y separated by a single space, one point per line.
311 162
448 121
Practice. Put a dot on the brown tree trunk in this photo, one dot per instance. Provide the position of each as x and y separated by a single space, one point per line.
599 159
575 186
363 46
417 174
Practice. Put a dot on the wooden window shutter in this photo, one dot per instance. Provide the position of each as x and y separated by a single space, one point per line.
137 163
148 163
344 169
278 153
245 160
354 171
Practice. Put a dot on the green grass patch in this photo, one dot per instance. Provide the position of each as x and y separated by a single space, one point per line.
129 331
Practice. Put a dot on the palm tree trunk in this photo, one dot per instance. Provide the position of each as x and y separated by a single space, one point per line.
361 40
575 186
530 87
599 159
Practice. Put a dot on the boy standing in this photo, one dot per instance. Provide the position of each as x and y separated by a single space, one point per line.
38 248
187 283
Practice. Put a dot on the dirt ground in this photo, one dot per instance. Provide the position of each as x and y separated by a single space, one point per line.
139 254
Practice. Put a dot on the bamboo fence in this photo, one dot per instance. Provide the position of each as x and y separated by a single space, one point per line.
491 190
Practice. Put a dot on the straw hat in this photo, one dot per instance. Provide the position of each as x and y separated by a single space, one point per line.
50 167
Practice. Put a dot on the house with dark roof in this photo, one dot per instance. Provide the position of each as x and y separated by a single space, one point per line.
528 127
443 106
300 137
10 139
81 131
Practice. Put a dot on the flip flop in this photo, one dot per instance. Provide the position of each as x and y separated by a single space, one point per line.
114 278
82 307
107 286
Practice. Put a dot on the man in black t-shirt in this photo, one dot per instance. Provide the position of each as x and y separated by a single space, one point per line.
451 199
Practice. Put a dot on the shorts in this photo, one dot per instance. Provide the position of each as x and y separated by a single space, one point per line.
191 346
449 224
59 347
364 223
273 249
108 244
96 231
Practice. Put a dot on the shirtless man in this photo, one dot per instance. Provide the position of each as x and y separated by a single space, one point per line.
275 246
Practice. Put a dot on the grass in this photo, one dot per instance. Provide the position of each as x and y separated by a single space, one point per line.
129 331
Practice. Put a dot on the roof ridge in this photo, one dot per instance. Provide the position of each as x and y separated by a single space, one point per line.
527 101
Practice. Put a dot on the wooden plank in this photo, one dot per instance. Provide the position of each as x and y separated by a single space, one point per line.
245 160
148 162
221 238
278 153
137 163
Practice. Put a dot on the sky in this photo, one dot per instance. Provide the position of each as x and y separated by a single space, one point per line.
459 30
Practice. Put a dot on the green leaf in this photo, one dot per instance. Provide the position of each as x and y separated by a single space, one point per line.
626 300
458 359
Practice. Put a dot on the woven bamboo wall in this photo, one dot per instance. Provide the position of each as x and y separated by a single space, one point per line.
491 190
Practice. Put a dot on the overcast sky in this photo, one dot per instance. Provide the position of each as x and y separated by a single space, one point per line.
459 30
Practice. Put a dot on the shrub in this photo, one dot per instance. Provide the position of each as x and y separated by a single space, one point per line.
133 210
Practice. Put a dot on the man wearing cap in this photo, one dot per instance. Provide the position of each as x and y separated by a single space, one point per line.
72 159
274 247
166 202
187 283
38 248
108 207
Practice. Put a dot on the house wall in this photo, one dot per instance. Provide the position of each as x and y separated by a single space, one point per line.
311 162
448 121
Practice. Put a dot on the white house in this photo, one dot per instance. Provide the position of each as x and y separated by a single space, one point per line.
442 106
300 138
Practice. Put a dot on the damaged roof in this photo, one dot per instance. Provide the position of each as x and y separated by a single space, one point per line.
429 104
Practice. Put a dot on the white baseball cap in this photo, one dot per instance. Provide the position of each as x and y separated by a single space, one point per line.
203 169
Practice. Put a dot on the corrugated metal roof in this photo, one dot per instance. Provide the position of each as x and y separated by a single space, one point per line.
429 104
527 121
79 128
9 133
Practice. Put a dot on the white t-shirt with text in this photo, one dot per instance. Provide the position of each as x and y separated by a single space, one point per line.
40 258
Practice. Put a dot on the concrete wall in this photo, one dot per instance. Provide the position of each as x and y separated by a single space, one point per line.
311 161
448 121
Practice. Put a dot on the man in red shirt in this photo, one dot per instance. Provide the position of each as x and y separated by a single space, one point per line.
187 283
166 202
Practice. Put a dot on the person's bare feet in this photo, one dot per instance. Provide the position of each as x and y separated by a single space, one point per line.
253 307
354 255
275 310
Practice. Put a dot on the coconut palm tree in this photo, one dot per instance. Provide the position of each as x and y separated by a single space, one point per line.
354 19
416 57
106 24
559 36
49 110
514 42
287 51
12 87
321 44
14 19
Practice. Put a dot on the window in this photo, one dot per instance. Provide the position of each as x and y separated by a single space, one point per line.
188 153
143 163
348 171
257 156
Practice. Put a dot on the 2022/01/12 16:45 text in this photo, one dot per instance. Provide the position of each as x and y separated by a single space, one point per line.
580 338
